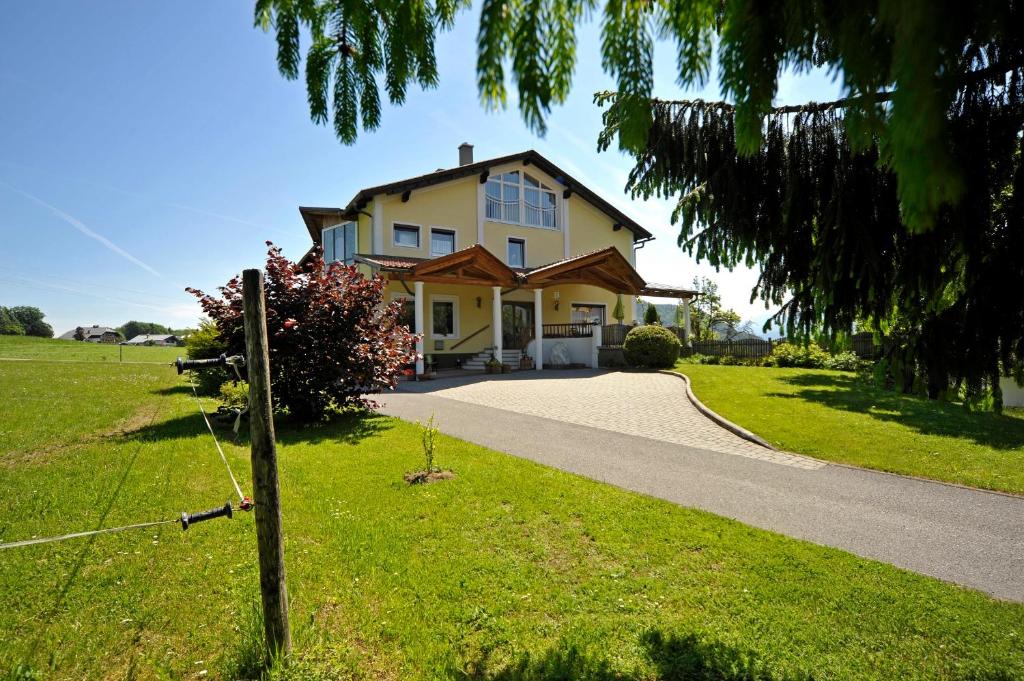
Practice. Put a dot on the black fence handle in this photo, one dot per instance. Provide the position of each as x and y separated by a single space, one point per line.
223 360
193 518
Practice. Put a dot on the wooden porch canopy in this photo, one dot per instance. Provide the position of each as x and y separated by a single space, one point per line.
606 268
663 291
472 265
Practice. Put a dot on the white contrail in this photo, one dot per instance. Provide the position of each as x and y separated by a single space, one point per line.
80 226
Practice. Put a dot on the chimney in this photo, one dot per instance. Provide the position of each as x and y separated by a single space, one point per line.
465 154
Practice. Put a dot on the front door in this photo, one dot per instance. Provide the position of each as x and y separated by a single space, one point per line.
516 325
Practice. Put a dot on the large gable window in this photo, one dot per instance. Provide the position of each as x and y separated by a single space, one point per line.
503 197
538 203
521 199
340 243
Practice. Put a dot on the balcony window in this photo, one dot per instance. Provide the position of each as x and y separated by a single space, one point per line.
340 243
538 203
521 199
503 196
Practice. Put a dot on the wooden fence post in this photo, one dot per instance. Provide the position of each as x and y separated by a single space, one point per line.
266 489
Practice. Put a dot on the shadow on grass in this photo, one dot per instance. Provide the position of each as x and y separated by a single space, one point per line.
672 656
927 417
349 428
181 389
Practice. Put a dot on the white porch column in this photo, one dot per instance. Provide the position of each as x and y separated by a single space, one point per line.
538 328
417 288
686 320
496 322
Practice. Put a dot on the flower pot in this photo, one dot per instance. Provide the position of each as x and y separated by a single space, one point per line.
506 368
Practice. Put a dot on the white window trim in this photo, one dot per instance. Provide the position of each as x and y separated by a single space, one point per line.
440 228
494 172
419 234
454 300
355 247
509 240
591 304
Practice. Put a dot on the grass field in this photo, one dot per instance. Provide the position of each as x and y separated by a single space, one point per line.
835 416
25 347
510 571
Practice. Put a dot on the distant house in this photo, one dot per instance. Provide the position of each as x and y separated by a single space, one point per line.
153 339
93 334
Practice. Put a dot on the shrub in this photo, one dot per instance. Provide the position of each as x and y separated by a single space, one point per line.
843 361
234 393
732 361
206 343
804 356
651 315
333 338
651 346
428 437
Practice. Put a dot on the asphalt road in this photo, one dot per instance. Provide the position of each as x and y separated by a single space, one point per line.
965 536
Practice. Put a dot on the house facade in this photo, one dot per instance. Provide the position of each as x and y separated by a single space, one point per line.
153 339
93 334
507 257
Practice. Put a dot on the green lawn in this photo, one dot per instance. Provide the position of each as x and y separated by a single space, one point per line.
26 347
835 416
510 571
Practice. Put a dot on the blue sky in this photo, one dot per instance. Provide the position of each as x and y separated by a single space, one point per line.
145 147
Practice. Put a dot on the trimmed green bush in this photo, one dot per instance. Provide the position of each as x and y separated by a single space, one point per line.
793 355
843 361
206 343
653 347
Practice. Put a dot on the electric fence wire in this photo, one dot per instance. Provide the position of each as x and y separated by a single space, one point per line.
243 501
238 490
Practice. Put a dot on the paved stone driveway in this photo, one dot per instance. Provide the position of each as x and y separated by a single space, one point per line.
646 405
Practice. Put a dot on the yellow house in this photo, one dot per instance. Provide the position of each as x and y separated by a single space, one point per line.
505 258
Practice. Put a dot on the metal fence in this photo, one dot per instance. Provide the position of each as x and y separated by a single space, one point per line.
575 330
751 348
863 344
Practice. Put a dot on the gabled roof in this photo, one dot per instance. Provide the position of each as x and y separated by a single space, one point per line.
471 265
606 267
529 157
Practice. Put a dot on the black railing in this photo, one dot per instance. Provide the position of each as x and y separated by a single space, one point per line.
574 330
614 334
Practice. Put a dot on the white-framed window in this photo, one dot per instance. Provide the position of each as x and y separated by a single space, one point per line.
444 317
588 313
339 243
538 203
442 241
503 196
516 256
407 236
521 199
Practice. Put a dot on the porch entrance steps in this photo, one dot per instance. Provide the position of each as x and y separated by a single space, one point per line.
477 361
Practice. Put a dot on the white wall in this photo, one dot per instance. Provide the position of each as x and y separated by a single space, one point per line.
1013 394
580 350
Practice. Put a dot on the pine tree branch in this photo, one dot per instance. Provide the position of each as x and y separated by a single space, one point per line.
997 70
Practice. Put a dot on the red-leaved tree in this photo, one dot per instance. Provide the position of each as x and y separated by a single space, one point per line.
332 338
